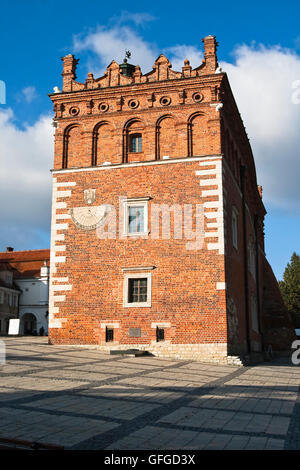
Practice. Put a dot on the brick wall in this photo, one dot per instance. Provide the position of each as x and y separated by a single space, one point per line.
93 267
208 296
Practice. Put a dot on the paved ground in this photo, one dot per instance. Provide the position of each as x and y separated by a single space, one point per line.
86 399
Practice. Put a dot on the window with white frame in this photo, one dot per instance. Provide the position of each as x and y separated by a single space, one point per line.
137 289
1 297
136 216
235 227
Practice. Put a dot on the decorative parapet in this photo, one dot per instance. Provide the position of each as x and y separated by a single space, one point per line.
128 74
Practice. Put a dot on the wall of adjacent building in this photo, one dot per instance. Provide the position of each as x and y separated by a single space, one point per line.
34 300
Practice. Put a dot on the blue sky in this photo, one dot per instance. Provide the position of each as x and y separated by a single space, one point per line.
259 47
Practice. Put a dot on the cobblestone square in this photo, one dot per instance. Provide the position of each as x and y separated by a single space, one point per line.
82 398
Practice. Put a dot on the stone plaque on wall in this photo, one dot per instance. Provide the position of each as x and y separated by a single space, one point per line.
134 332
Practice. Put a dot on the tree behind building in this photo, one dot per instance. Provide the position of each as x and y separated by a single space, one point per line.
290 288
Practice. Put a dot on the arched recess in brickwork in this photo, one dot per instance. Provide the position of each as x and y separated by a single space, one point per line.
196 129
71 146
133 141
165 137
104 148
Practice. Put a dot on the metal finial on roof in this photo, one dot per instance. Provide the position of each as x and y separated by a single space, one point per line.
127 56
126 68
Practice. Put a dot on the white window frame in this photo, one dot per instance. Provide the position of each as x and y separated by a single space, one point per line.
138 202
234 227
137 275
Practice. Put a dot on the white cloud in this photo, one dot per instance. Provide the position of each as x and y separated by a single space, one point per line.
110 43
25 182
178 54
139 19
28 94
261 79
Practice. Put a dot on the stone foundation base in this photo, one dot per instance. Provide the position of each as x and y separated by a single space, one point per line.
207 352
235 361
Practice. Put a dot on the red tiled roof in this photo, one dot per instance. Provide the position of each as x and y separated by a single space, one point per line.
25 263
5 266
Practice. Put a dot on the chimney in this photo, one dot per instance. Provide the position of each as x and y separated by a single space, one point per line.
210 53
69 71
9 248
44 272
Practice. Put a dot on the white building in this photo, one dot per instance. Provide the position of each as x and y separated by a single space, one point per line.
31 275
9 297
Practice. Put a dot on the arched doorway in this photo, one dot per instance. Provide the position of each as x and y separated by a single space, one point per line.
29 324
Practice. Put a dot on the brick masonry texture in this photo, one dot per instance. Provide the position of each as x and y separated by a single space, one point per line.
214 300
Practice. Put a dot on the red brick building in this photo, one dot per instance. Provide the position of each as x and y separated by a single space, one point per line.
157 219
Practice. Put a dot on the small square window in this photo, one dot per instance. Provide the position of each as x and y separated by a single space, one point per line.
160 334
109 335
136 216
137 290
135 143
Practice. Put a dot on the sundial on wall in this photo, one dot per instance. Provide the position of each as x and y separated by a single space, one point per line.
88 217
